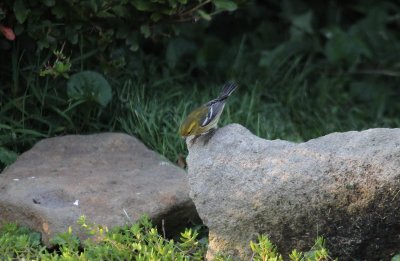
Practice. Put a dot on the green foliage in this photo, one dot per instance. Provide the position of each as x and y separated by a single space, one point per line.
7 157
225 5
60 67
89 86
17 242
344 44
50 23
264 250
56 107
317 252
67 242
140 241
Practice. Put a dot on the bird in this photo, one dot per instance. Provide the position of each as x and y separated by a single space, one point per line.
204 119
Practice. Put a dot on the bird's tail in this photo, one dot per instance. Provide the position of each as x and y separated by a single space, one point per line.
227 90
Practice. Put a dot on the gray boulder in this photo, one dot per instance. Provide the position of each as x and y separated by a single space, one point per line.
111 178
343 186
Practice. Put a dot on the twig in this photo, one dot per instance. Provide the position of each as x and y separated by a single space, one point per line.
194 8
127 216
395 195
163 227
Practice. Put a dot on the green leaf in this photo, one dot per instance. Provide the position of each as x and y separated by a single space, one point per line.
20 11
396 258
145 30
120 11
105 14
143 5
7 157
301 24
89 86
49 2
204 15
58 11
134 47
132 41
225 5
345 47
155 17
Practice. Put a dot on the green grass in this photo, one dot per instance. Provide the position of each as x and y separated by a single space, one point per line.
293 103
296 100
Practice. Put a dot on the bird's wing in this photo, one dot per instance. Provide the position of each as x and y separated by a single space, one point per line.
214 110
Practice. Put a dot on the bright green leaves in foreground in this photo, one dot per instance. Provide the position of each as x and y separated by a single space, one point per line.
19 242
140 241
264 250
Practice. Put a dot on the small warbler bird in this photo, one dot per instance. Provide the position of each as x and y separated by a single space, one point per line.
204 119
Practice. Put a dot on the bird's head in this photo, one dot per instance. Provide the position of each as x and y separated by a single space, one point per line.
187 128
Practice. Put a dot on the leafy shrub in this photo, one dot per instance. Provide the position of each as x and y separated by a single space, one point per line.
264 250
99 23
18 242
140 241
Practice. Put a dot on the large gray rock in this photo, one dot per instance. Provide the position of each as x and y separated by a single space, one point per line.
101 176
343 186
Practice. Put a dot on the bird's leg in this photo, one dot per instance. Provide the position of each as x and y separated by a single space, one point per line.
209 135
192 141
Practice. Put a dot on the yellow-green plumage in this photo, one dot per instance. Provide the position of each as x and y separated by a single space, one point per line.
192 124
206 117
